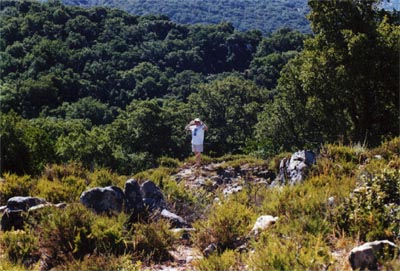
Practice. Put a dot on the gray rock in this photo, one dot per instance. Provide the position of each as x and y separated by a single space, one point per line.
12 220
232 189
103 199
2 208
133 197
210 249
175 220
13 214
367 255
262 223
24 203
152 196
294 170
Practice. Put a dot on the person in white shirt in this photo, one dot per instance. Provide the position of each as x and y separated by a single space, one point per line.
197 127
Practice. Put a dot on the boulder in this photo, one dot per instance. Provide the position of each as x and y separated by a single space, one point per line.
152 196
103 199
13 213
133 197
175 220
294 170
263 223
367 255
24 203
12 219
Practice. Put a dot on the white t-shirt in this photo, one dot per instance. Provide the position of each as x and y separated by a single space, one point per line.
197 134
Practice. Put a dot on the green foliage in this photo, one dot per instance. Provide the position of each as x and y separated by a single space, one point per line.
65 234
327 92
295 252
67 189
230 107
13 185
169 162
226 224
371 211
265 16
103 262
228 260
104 177
151 242
20 246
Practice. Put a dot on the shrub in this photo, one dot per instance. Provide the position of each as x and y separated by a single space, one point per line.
104 177
388 148
103 262
107 235
228 260
13 185
67 189
64 235
226 225
20 246
152 241
52 172
289 250
52 191
372 210
169 162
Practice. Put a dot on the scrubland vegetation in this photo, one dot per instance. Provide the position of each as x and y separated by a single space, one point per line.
351 196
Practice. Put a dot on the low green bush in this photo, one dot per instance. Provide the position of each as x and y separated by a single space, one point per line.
20 246
168 162
103 262
288 249
226 224
228 260
371 212
14 185
54 171
67 189
151 242
103 177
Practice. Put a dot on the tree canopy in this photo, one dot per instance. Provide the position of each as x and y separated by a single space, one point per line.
105 88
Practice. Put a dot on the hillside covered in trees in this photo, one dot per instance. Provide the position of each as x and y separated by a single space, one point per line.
266 16
106 88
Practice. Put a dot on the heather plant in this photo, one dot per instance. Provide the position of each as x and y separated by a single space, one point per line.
65 234
151 242
14 185
20 246
67 189
168 162
284 248
371 211
103 262
55 171
103 177
226 224
228 260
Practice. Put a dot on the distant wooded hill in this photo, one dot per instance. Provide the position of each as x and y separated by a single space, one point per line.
264 15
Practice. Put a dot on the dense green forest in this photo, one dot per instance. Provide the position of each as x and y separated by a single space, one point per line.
266 16
110 89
